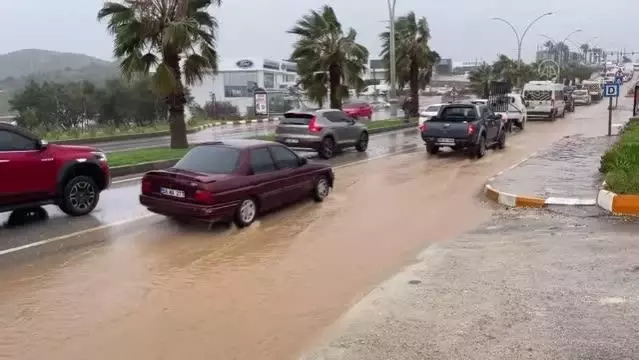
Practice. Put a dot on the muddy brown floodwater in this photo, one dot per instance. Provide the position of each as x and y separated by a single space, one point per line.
156 290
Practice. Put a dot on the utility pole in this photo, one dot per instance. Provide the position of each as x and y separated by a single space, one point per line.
393 62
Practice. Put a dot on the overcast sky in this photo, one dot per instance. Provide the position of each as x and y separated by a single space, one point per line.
460 29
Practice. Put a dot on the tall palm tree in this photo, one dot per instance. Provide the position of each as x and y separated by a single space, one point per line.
326 55
551 50
584 49
173 39
413 55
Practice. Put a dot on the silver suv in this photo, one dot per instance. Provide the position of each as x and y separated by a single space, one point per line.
325 131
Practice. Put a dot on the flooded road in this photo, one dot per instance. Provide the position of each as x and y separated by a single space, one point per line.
126 284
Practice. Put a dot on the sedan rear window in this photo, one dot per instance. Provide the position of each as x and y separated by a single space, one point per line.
210 159
296 119
580 92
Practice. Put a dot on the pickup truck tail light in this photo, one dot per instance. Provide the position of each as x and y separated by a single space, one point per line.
313 127
471 129
423 127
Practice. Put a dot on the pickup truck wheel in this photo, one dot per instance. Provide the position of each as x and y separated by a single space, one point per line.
480 147
501 141
79 196
432 149
362 142
327 148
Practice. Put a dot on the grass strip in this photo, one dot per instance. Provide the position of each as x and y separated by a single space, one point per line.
620 163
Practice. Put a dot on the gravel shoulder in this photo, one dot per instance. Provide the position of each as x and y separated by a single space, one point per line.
557 283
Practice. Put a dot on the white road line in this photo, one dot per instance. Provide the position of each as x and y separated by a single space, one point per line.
128 221
73 234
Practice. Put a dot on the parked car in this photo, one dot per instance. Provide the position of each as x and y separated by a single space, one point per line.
234 180
325 131
427 113
464 126
34 173
358 110
581 97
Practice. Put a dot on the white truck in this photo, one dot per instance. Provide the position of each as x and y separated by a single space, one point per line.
594 89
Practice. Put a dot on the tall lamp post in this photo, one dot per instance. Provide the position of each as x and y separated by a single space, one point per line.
393 69
520 39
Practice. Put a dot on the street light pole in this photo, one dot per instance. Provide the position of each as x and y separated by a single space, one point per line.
393 70
520 39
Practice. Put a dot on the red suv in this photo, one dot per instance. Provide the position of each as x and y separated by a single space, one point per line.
34 173
358 110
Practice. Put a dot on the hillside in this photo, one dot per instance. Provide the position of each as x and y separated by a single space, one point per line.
19 67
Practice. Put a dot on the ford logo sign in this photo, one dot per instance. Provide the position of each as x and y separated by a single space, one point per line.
244 64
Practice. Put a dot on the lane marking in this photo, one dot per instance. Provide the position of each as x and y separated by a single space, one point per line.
73 234
128 221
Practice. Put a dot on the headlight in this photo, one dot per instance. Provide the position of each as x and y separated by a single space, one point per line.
99 155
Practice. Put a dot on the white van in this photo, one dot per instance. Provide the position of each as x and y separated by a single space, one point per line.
544 99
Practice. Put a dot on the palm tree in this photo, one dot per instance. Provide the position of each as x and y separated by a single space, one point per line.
414 58
326 55
480 79
584 49
550 49
173 39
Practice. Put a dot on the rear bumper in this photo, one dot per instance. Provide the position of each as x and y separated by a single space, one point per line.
459 143
540 114
180 209
299 141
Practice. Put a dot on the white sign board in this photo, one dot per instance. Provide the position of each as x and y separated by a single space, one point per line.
261 104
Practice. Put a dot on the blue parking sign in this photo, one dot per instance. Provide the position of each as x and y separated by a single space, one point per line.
611 90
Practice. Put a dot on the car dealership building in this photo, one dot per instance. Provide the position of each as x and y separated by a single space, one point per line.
236 78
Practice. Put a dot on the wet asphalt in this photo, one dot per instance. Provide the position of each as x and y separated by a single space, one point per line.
123 283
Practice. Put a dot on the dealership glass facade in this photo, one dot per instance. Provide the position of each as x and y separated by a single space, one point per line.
239 83
269 80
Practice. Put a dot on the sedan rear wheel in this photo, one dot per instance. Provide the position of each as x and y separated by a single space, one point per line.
246 213
322 189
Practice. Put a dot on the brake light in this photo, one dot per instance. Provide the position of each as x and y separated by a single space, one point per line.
203 196
423 127
147 186
313 127
471 129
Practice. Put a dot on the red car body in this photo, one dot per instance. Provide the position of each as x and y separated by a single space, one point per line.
182 193
34 173
358 110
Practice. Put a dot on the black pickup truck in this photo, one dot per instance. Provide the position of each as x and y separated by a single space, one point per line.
473 127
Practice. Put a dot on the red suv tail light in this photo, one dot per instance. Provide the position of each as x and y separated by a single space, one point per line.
203 196
313 127
147 186
471 129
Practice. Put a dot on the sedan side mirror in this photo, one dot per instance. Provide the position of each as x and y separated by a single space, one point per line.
41 144
303 161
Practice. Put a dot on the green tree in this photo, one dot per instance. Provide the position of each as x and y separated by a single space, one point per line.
173 39
584 50
480 79
414 58
326 55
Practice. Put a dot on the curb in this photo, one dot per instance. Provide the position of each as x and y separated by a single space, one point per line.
245 122
527 201
618 204
125 170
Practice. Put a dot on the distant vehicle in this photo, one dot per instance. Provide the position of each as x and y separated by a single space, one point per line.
594 88
325 131
371 90
358 110
581 97
234 180
427 113
464 126
35 173
545 99
517 113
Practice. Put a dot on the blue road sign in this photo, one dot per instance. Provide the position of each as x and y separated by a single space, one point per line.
611 90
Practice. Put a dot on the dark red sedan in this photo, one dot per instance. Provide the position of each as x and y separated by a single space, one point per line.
358 110
234 180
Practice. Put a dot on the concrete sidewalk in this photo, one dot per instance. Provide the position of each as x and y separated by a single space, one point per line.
565 174
526 285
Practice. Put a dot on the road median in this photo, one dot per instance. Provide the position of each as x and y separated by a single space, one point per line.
130 162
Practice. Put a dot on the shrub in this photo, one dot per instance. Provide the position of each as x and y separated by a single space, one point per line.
621 162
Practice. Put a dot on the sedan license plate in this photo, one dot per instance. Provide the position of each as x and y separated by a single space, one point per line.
446 141
292 141
172 192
